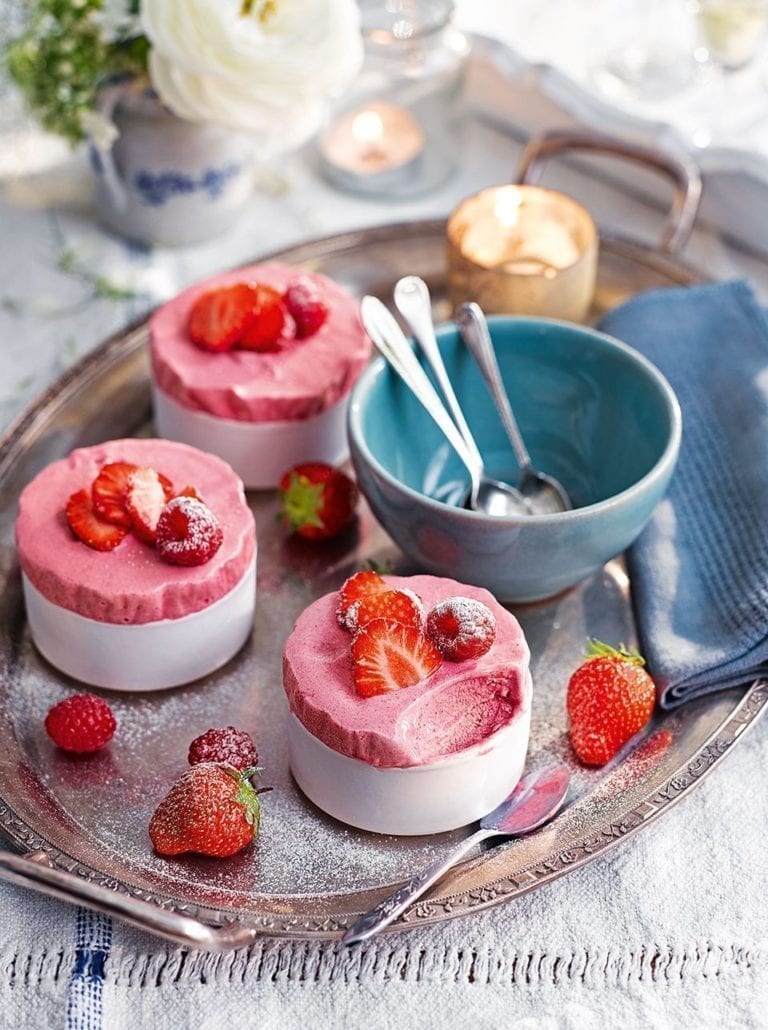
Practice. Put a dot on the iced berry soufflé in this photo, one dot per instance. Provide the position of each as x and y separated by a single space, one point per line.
138 562
410 702
257 365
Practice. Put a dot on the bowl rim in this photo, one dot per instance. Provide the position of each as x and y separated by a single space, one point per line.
664 464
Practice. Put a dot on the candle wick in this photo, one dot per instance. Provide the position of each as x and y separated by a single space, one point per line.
374 154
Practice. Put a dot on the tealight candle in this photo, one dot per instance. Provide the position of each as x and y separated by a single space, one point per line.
524 250
372 149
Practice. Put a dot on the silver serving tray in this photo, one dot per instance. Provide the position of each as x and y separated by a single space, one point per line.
307 875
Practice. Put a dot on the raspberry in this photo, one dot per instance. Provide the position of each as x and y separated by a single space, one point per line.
188 533
224 744
82 723
461 628
306 306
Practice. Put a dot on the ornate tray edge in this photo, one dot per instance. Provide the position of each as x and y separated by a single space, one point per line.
437 909
432 909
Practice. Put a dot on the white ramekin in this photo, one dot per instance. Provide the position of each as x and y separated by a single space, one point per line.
145 656
259 452
442 795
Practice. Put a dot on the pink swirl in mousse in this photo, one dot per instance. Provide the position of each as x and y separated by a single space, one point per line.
460 705
131 584
304 378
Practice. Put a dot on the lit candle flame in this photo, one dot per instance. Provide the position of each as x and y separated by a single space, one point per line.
507 207
367 127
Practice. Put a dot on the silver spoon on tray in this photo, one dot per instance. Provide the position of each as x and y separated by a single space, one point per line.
545 494
534 801
487 495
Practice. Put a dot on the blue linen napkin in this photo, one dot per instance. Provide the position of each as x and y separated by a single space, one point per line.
699 570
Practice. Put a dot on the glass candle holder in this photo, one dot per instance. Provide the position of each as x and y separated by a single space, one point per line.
522 250
396 132
731 32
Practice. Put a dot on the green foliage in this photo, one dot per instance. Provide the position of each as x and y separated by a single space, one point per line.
598 649
62 58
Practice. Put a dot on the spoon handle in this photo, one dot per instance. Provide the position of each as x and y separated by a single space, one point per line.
35 871
390 908
474 331
393 345
415 305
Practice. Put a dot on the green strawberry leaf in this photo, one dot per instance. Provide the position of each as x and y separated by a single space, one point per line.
598 649
302 502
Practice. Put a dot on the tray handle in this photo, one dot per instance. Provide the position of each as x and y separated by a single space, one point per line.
34 870
683 172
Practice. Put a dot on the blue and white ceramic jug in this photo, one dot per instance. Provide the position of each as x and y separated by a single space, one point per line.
166 180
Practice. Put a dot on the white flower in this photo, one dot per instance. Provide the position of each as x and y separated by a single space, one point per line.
264 66
99 129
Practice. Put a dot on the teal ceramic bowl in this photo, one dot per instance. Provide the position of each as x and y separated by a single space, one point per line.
593 412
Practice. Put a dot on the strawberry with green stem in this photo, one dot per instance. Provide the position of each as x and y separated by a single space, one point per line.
212 810
317 500
610 698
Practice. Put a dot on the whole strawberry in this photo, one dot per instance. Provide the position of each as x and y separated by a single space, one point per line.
316 500
225 744
610 698
212 810
82 723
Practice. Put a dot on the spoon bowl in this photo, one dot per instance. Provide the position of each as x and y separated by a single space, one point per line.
536 799
488 495
543 493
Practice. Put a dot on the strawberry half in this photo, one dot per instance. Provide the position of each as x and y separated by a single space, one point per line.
88 526
399 605
188 491
218 317
263 330
354 589
108 492
387 656
610 698
146 495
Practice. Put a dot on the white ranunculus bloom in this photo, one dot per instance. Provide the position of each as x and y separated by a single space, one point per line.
264 66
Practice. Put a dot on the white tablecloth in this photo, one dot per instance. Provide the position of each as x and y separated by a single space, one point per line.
668 930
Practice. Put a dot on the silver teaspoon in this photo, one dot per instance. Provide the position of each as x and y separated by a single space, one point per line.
414 303
545 494
535 800
490 496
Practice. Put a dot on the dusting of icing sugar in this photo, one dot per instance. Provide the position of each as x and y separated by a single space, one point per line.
461 627
108 798
418 603
188 533
415 615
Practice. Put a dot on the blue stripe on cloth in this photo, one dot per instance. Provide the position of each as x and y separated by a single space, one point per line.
86 981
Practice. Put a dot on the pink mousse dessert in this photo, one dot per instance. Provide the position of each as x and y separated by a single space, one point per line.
265 383
151 591
422 758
